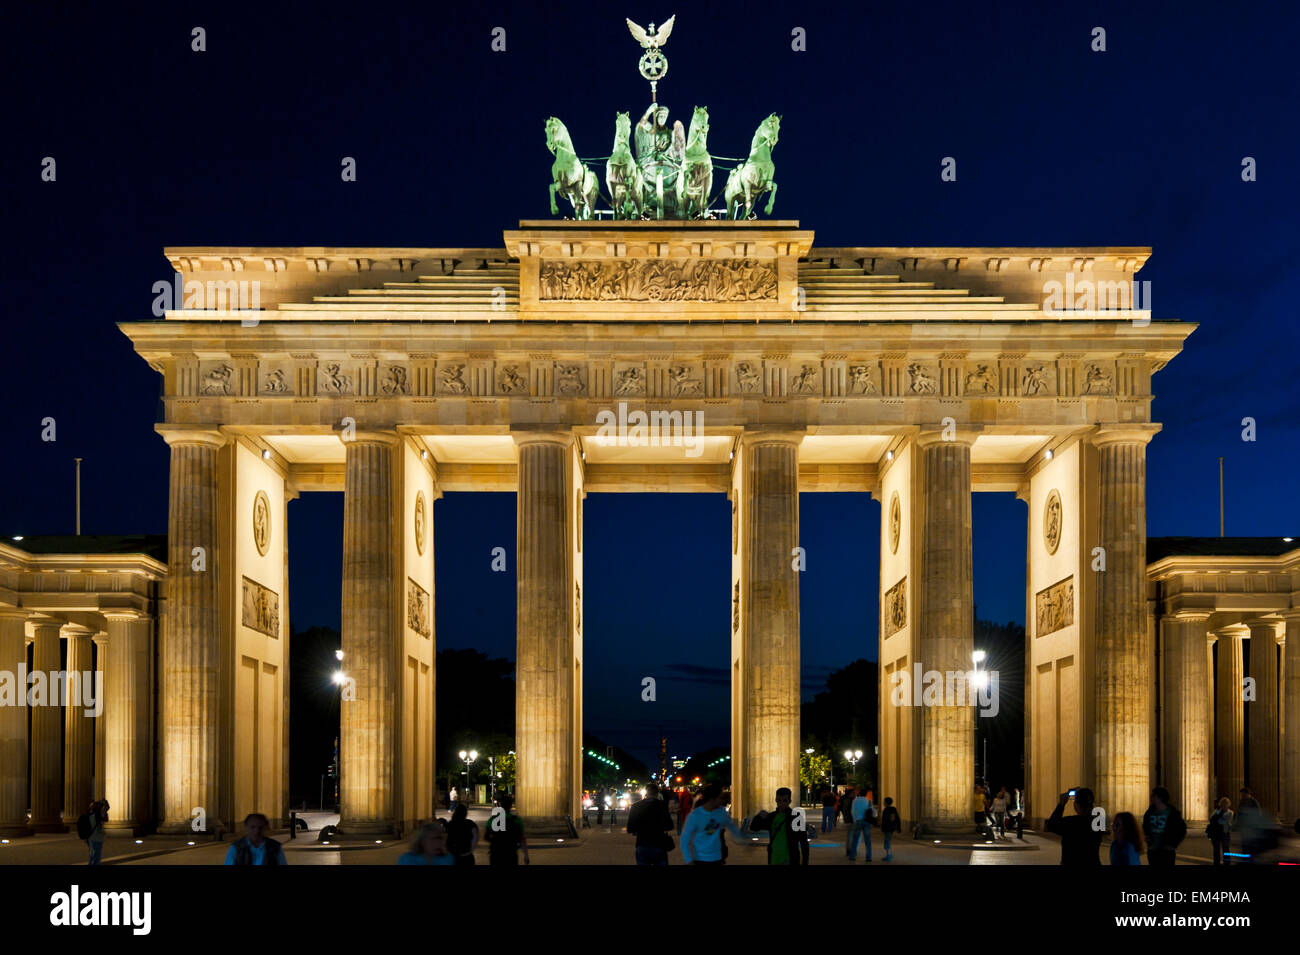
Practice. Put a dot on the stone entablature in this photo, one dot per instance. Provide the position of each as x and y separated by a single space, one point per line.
1227 584
1048 373
80 584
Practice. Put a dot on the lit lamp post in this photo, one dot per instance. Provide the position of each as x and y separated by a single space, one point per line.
980 680
852 756
338 679
469 759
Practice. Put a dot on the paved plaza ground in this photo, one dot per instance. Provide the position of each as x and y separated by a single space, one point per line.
599 845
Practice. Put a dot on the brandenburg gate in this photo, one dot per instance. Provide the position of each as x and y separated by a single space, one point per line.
917 375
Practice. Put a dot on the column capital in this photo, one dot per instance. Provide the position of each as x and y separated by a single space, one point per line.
181 435
380 436
14 613
77 630
541 436
1191 616
761 436
1124 434
961 437
123 613
1263 625
42 622
1238 630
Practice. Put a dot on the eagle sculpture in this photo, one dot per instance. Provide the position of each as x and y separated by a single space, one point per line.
650 39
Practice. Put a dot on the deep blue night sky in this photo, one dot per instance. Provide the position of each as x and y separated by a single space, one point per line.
1055 144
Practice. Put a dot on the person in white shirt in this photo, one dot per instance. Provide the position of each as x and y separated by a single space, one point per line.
863 816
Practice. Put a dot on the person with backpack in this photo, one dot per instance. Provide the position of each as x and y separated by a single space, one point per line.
1219 830
256 848
864 814
1164 828
90 828
890 823
787 844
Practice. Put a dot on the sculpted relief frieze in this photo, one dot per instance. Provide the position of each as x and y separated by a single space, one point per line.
880 376
658 280
895 608
1054 607
418 610
260 608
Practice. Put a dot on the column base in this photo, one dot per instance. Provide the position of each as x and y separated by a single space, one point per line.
947 830
557 827
349 830
214 831
124 828
47 827
15 832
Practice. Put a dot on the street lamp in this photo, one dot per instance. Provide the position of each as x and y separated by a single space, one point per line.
469 759
981 680
852 756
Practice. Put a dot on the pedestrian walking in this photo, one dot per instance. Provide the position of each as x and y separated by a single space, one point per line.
863 816
1219 829
890 823
1000 812
90 827
828 810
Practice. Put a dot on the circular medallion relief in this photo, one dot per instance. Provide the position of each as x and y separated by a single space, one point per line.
420 517
895 522
1052 521
262 522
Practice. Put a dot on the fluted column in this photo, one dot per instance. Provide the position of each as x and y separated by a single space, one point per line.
371 635
769 601
78 723
544 689
13 726
127 740
99 786
1187 731
1124 658
1229 748
191 712
1264 725
946 619
47 730
1290 770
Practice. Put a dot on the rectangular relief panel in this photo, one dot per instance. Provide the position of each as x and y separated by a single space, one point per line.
260 608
